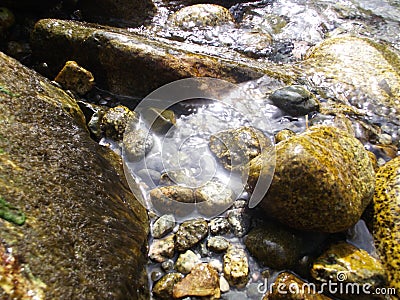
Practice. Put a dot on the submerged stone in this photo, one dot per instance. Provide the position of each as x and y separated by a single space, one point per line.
323 181
202 281
236 147
163 288
84 232
386 219
190 233
236 267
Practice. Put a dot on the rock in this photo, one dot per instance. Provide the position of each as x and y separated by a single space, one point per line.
163 288
162 249
284 135
75 78
295 100
278 247
159 120
186 261
219 225
173 199
236 267
190 233
291 287
223 285
346 264
239 220
167 265
217 244
201 15
116 57
136 144
163 225
366 71
386 224
202 281
119 13
213 198
236 147
84 232
323 181
115 120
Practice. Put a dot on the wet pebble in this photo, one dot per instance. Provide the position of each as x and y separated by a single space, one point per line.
219 225
162 249
202 281
217 244
163 288
75 78
239 221
236 267
186 261
173 199
295 100
163 225
190 233
137 143
115 120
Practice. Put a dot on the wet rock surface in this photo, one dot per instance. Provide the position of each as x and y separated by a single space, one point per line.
190 233
386 231
323 181
236 267
74 77
295 100
347 264
202 281
235 147
112 54
82 223
163 288
115 120
163 225
162 249
291 287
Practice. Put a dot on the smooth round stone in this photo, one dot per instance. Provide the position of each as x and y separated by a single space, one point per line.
137 143
201 15
323 181
174 199
295 100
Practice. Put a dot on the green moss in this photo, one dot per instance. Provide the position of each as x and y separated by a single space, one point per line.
7 92
11 213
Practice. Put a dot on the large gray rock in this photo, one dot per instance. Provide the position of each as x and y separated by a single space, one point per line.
84 234
131 64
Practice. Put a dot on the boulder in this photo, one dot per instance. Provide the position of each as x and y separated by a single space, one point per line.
84 233
132 64
323 180
386 220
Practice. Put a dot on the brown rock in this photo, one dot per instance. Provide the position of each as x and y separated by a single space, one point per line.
202 281
75 78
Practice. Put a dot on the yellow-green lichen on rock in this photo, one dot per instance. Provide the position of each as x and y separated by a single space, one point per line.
84 233
386 227
323 180
361 71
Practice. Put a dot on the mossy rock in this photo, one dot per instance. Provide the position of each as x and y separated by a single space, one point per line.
323 181
386 220
84 232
